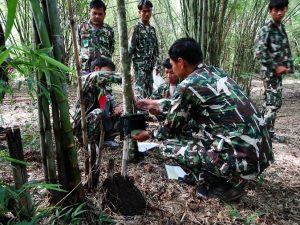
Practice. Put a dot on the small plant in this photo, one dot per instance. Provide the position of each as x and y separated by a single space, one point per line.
261 179
30 137
104 219
249 220
69 215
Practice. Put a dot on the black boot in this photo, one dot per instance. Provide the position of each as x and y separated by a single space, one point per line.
227 192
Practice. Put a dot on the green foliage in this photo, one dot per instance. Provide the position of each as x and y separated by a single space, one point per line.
261 179
297 62
30 137
11 9
251 219
79 213
9 202
69 215
4 55
5 157
104 219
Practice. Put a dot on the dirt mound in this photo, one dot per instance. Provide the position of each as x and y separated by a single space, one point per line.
122 196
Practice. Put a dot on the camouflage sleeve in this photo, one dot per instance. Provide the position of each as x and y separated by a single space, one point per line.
262 52
176 118
112 42
157 94
132 42
103 77
79 36
157 60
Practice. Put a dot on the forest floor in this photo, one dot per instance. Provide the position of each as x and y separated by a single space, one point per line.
273 199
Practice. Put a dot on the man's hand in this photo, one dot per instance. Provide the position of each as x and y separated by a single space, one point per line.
280 70
142 136
144 104
149 105
118 110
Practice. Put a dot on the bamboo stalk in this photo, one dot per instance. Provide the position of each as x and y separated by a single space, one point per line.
125 70
61 98
59 54
44 152
78 70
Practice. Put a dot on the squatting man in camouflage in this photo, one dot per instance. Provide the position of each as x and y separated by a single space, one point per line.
99 103
166 89
95 38
273 51
144 51
232 145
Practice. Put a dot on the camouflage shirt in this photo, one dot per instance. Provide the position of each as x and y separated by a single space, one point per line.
94 42
143 47
272 48
94 85
229 120
163 91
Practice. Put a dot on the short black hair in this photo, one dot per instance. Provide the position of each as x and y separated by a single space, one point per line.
188 49
145 3
167 64
278 4
97 4
103 62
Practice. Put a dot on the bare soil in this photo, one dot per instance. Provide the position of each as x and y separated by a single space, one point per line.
274 198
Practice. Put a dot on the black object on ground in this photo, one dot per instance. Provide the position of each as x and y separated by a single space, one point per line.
122 196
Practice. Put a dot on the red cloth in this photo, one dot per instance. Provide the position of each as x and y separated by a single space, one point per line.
102 101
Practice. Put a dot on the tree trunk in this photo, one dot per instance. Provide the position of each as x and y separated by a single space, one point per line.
14 142
125 70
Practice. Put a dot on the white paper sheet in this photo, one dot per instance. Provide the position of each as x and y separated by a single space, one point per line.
174 172
145 146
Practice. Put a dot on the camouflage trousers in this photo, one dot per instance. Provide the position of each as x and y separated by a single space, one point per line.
93 125
95 120
143 83
273 100
202 160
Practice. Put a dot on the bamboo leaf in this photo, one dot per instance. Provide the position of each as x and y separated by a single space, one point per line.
55 63
11 14
44 91
9 159
44 50
4 55
55 187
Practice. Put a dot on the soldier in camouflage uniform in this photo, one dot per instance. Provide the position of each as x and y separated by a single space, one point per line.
273 51
95 38
235 145
99 103
144 51
166 90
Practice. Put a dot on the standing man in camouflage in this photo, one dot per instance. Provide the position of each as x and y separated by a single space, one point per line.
166 89
234 145
273 51
95 38
144 51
